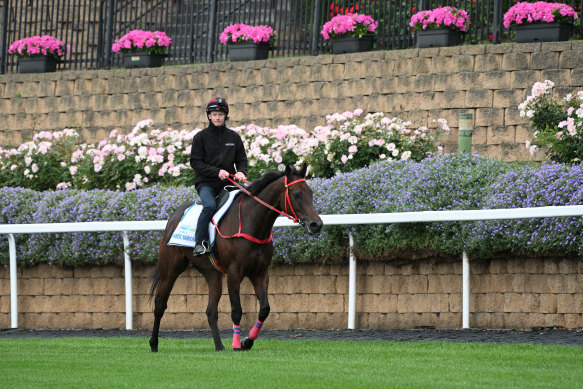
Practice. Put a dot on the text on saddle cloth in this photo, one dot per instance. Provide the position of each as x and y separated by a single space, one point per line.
184 233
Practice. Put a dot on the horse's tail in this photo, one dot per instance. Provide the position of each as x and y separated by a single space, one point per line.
155 281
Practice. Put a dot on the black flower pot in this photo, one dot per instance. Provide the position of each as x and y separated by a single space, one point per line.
441 37
248 51
142 59
543 32
352 44
37 64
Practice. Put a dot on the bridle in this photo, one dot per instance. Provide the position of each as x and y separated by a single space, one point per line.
287 200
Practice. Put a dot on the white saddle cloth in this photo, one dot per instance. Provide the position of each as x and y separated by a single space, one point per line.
184 233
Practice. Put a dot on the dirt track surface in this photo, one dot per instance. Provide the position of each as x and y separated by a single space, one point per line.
535 336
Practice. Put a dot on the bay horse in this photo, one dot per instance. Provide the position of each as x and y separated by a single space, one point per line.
243 248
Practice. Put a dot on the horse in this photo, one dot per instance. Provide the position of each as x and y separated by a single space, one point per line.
246 253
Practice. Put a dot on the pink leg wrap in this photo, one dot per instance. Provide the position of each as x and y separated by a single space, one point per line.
254 333
236 337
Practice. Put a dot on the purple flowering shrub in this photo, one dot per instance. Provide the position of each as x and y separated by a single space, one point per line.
446 182
547 185
153 203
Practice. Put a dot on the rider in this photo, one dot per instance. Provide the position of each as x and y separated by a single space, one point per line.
217 151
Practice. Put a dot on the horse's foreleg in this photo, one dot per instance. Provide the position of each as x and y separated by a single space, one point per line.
166 283
234 286
260 284
215 285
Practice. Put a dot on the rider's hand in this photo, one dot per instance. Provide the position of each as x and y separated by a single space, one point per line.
223 174
240 176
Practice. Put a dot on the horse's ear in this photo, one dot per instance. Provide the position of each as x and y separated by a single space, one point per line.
288 171
303 170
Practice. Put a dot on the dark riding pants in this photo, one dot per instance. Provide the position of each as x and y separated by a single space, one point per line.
209 205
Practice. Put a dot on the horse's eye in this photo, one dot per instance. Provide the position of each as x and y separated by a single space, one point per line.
297 196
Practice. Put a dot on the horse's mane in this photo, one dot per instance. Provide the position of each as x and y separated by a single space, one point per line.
259 184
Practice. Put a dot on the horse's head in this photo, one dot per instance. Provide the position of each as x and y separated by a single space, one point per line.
300 199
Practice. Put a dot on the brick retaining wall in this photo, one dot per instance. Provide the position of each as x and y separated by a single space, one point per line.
486 80
512 293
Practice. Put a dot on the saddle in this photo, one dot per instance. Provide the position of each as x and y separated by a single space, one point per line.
184 233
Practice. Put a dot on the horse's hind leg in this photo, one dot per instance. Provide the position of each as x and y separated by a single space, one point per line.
168 271
260 284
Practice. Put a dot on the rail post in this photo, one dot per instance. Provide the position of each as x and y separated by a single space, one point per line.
465 291
13 282
351 286
128 281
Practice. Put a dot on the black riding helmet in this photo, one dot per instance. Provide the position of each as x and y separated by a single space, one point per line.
217 104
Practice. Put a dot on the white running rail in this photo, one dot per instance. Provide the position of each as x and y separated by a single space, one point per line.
354 219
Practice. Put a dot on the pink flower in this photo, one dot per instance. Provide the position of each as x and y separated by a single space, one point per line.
351 24
352 149
539 12
39 45
450 17
152 42
238 33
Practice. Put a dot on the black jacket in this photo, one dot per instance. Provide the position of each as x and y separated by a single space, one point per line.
213 149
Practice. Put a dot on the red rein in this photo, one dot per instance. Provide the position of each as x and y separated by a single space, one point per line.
239 234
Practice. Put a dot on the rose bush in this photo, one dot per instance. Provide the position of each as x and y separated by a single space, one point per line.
557 123
148 156
443 17
352 140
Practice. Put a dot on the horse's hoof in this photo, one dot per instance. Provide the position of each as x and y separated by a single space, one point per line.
247 344
220 348
236 349
153 346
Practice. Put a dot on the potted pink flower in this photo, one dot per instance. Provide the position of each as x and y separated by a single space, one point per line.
350 33
440 26
142 49
38 54
540 21
247 42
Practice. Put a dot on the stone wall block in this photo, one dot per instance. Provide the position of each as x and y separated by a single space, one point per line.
489 117
561 78
504 98
524 78
441 64
421 65
569 59
476 98
515 61
496 79
464 63
486 63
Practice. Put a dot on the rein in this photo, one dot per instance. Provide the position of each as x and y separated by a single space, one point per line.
239 234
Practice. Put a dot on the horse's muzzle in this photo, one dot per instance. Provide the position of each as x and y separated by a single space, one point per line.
313 227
